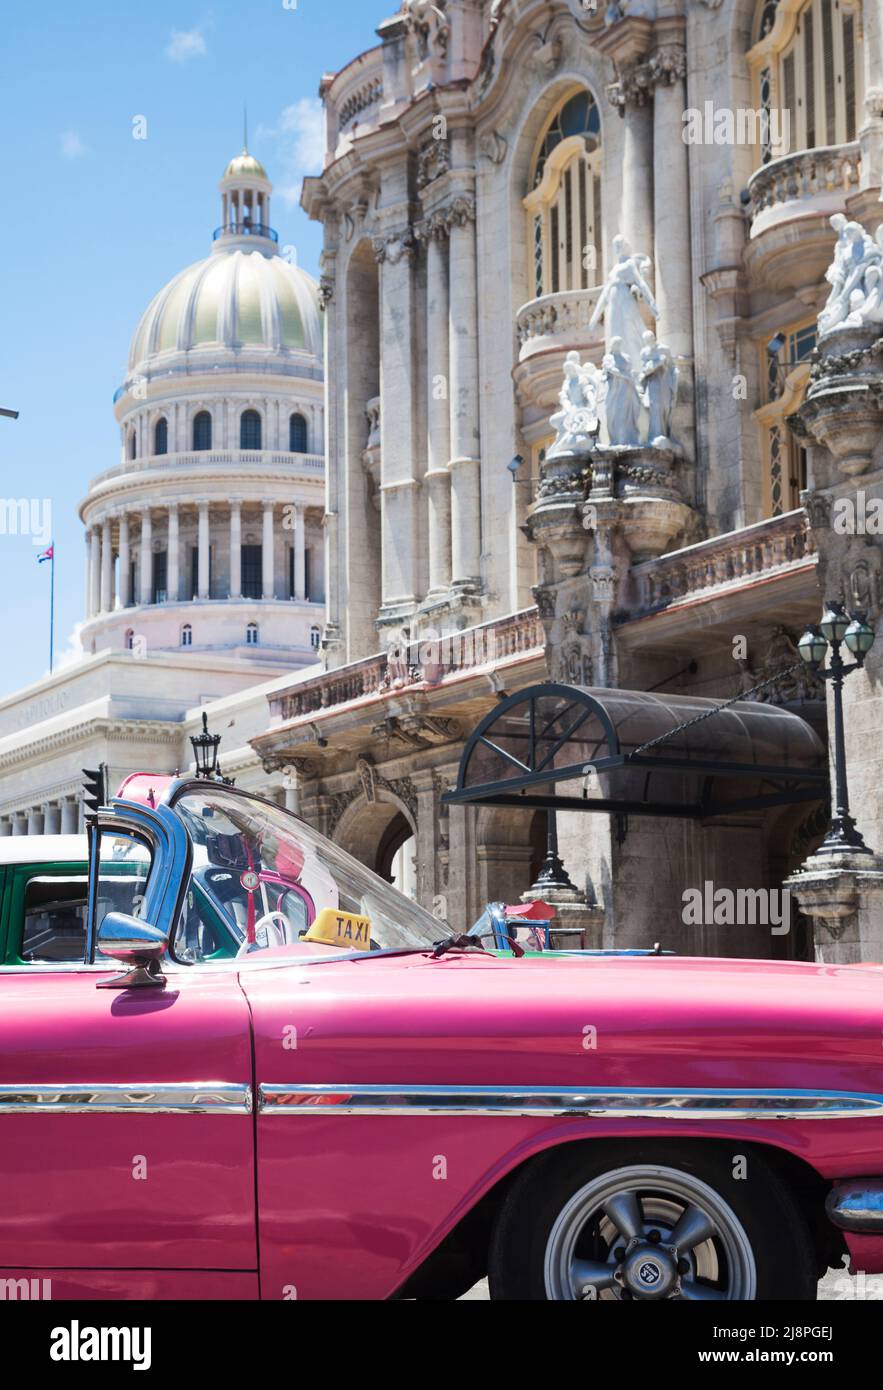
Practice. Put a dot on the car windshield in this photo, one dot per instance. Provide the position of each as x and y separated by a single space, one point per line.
266 879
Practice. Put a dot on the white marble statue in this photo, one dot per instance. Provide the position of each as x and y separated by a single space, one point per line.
658 383
619 301
867 303
854 254
578 421
622 402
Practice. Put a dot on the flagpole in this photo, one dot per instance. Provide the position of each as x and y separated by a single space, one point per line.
52 610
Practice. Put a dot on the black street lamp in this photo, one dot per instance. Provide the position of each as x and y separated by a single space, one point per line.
205 750
553 873
836 628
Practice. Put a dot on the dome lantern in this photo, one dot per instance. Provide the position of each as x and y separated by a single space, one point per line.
245 206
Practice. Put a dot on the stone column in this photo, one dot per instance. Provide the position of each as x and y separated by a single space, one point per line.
203 546
35 821
5 826
95 573
236 550
438 389
399 485
70 816
106 567
146 584
267 555
125 582
871 128
627 41
20 823
173 558
671 202
52 818
87 601
464 464
300 555
636 216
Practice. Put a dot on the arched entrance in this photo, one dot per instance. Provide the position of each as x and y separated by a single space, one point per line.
382 835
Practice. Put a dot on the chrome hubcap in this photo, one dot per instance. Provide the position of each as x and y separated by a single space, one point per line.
652 1233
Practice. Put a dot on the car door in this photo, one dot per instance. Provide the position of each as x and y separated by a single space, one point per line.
126 1127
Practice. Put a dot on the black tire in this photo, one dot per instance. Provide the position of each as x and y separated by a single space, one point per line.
764 1208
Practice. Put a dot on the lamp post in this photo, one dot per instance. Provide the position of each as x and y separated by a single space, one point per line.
836 628
553 874
205 751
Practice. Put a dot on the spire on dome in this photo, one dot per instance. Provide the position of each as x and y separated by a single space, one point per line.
245 203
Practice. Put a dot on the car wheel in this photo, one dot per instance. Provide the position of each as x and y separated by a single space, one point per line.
649 1220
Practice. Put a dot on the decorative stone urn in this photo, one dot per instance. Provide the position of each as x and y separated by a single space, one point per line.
555 521
651 510
843 409
844 898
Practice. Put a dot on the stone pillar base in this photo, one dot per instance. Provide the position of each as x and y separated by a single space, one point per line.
843 895
578 924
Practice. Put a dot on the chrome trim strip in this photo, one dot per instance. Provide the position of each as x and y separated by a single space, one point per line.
156 1098
593 1102
856 1204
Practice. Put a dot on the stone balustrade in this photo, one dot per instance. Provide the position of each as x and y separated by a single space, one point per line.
825 176
313 464
429 660
558 320
354 95
774 546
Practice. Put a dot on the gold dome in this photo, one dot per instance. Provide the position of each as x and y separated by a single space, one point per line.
231 301
245 165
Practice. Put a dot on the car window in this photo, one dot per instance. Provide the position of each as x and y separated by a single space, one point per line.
123 870
277 882
54 927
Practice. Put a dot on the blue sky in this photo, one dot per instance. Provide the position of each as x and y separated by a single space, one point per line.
95 222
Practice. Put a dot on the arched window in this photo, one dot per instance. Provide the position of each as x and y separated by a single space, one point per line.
564 204
161 436
297 434
202 430
250 430
809 64
132 444
251 635
186 635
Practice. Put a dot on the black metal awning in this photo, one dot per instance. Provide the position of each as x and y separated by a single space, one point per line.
633 752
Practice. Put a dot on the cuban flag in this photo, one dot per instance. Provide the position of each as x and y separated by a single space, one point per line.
46 555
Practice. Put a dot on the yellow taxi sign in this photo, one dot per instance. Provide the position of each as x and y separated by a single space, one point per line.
334 928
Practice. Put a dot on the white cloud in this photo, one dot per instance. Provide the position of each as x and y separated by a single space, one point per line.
72 147
185 44
299 136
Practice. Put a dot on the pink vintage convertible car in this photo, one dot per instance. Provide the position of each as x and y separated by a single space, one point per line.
355 1114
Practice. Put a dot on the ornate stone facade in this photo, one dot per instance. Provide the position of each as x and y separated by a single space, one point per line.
687 563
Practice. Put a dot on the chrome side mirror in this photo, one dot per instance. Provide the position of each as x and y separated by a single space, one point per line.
136 944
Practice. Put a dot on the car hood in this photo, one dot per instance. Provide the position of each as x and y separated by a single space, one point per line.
569 1020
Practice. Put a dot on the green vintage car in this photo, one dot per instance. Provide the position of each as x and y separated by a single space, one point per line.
44 887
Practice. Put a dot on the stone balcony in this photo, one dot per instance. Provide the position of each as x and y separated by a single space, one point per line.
548 328
418 687
558 322
789 203
759 572
352 100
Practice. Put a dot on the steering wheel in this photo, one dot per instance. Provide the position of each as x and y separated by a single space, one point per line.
266 921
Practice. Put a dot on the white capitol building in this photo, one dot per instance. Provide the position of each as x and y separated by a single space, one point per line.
204 541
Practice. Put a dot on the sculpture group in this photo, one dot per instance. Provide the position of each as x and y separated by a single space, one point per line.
628 402
856 278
